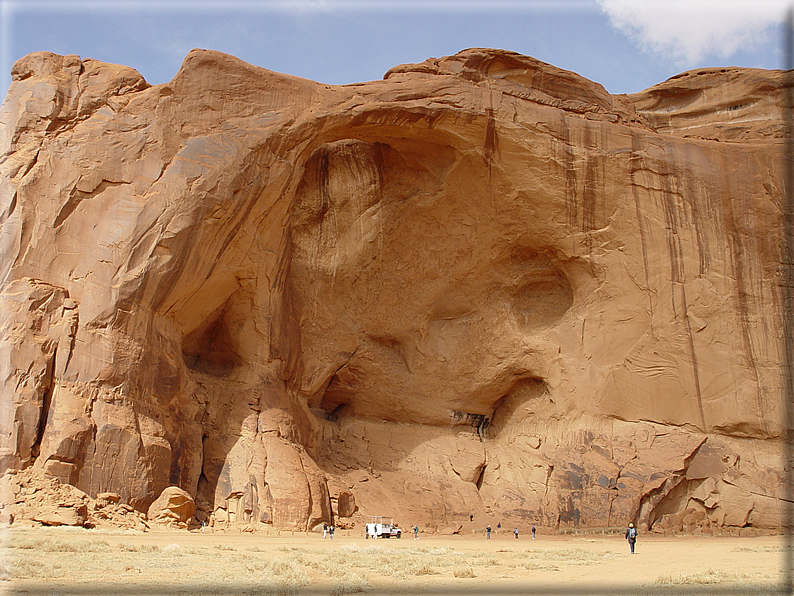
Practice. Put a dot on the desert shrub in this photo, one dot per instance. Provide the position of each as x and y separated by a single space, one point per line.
350 548
713 582
539 566
419 568
464 572
279 577
329 566
27 542
350 584
443 551
28 565
487 562
79 545
581 556
279 587
456 560
173 550
760 549
707 577
139 548
284 568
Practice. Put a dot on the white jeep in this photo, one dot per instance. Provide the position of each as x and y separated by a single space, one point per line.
377 529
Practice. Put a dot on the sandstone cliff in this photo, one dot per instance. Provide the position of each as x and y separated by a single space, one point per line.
482 285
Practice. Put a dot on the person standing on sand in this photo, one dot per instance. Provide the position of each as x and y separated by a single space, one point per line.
631 536
488 532
331 532
325 530
416 532
533 531
515 531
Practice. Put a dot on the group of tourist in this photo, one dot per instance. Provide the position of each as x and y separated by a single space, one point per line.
499 527
631 532
328 530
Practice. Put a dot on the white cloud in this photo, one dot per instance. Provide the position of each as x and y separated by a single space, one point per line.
690 30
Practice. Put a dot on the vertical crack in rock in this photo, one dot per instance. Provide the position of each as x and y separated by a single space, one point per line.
570 173
675 219
636 164
48 383
590 208
480 475
10 210
694 358
491 142
738 263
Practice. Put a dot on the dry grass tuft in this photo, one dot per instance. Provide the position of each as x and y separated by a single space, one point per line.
5 571
420 568
79 545
139 548
28 564
708 577
539 566
351 584
464 572
713 582
760 549
173 549
581 556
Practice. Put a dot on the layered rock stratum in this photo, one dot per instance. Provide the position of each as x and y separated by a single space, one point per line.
481 286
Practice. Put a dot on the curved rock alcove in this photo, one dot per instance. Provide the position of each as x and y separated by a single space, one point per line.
482 285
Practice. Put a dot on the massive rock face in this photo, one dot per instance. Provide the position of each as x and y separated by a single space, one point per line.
480 286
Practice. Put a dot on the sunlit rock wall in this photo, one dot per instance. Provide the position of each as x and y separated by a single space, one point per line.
480 286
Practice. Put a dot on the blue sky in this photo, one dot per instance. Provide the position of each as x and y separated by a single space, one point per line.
626 45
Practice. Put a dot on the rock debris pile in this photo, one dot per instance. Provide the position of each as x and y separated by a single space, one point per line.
31 495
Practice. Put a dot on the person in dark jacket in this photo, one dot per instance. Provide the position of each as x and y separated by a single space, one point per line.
631 536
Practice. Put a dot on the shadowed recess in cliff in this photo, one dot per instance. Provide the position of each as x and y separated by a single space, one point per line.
517 403
210 348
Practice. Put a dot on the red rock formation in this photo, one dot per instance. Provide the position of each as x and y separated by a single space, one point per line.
174 507
31 495
480 286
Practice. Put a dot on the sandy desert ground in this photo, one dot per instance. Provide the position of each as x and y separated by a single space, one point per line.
66 561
